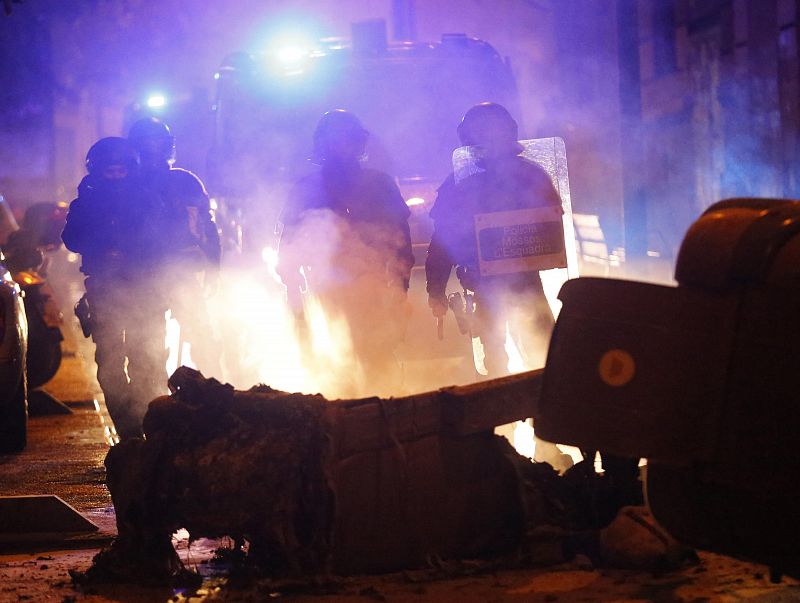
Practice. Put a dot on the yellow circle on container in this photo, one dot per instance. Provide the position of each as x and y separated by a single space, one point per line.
616 368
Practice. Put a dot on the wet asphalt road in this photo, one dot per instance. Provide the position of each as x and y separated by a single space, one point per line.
65 452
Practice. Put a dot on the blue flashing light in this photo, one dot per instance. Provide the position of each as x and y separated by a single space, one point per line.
156 101
291 55
290 60
289 51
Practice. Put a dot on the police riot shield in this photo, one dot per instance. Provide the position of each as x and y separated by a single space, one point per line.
533 239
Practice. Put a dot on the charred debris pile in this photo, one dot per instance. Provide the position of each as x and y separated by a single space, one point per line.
344 487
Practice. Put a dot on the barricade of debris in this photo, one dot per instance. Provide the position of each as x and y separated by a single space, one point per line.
345 487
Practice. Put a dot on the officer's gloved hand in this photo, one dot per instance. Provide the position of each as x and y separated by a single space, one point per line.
438 305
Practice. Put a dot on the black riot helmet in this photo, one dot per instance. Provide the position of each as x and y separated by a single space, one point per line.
339 136
112 157
490 126
153 141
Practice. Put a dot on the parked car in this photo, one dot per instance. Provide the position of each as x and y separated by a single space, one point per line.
13 348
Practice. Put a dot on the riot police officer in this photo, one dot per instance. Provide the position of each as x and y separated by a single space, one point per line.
513 302
346 226
503 181
190 269
115 225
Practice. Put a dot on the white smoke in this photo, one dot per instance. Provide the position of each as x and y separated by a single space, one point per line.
341 343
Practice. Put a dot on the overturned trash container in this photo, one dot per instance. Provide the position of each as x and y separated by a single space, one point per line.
701 379
316 486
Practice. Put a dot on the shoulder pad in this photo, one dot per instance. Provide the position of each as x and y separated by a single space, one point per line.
187 182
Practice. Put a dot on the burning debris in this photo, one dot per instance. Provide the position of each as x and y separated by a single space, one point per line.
339 487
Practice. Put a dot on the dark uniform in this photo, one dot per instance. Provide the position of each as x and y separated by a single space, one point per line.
115 224
194 239
516 299
507 182
347 228
192 248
